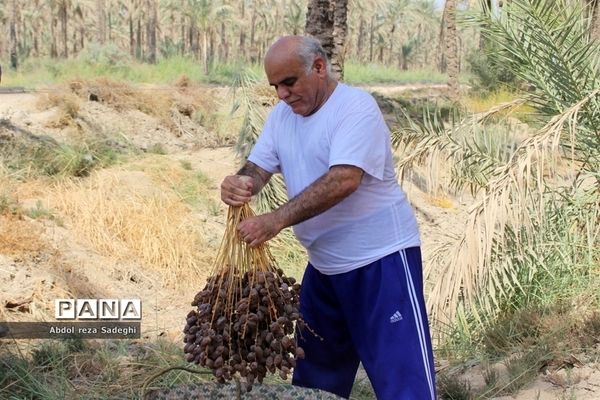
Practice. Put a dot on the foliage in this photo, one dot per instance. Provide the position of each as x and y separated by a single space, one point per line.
107 54
43 71
41 155
253 97
212 32
510 351
68 369
357 73
487 74
530 227
452 388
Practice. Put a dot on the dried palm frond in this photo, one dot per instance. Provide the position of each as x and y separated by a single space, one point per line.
255 98
465 270
471 156
504 244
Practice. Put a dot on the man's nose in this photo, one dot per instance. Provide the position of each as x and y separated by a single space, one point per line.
282 92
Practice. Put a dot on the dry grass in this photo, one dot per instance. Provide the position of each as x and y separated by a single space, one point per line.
186 110
151 225
480 105
19 237
441 201
68 107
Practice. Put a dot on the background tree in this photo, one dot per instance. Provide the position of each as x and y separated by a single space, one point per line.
382 31
14 60
594 11
450 40
327 21
101 24
63 16
151 26
531 226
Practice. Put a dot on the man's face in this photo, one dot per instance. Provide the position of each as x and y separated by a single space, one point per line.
301 90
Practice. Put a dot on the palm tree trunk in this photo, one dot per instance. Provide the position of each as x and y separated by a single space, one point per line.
14 60
392 41
151 30
53 44
101 28
224 43
63 16
340 32
595 19
360 39
211 47
205 51
82 34
319 23
371 37
138 40
451 49
131 35
253 47
242 49
327 20
110 25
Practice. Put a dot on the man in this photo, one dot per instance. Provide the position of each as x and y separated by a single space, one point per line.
362 290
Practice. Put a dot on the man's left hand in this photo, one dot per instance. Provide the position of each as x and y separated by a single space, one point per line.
257 230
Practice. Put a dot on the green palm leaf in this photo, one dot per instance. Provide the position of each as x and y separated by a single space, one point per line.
524 217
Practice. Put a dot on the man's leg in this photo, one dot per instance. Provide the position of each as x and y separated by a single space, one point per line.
331 361
390 330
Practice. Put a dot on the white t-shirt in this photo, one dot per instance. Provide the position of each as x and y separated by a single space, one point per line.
372 222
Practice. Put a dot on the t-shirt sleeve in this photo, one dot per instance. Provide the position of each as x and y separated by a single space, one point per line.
264 153
361 139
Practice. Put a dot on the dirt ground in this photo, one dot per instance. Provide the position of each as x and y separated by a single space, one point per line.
45 260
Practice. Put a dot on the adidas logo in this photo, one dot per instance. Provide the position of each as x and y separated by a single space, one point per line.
396 317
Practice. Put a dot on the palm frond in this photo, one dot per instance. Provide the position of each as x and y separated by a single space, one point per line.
255 98
503 247
547 45
461 148
465 270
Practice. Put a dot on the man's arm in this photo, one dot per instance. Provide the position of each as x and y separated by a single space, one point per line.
327 191
259 176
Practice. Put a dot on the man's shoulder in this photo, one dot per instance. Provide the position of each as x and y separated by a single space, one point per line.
355 98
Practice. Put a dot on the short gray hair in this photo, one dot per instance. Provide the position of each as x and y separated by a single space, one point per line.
308 49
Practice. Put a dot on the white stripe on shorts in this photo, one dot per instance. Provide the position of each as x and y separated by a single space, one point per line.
419 322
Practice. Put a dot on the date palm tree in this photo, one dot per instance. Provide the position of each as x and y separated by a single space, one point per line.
151 7
529 224
63 16
450 40
14 59
101 35
327 20
204 15
594 12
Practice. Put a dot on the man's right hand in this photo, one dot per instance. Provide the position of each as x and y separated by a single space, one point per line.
236 190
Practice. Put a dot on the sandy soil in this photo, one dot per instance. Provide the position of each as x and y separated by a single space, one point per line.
47 261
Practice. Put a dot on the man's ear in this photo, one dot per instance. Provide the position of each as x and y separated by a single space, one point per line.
319 65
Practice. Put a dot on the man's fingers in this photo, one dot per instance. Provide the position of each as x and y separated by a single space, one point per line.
236 190
235 200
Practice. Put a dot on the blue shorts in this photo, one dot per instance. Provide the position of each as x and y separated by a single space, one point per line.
375 315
